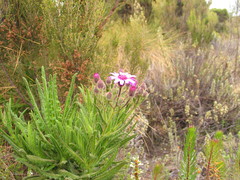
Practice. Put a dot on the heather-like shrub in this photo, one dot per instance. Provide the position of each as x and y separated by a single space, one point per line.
73 26
200 93
72 29
21 42
60 34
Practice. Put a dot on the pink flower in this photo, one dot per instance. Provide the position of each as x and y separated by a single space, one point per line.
96 77
124 78
109 80
135 82
132 90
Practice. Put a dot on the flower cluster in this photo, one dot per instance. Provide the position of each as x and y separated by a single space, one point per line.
136 164
122 80
121 92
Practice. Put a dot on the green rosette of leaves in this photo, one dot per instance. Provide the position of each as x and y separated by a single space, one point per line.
79 139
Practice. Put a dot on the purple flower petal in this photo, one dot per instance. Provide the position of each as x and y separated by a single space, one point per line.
123 78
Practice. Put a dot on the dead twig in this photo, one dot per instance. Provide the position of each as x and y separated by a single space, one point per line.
104 22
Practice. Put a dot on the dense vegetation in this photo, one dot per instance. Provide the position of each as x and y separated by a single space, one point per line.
176 117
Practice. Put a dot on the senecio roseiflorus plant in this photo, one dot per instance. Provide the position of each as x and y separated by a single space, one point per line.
80 139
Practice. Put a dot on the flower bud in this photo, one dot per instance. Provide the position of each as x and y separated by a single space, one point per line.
101 84
109 80
96 90
109 95
143 86
132 91
96 77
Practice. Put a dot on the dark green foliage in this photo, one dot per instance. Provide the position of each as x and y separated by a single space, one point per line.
223 16
179 8
125 12
147 7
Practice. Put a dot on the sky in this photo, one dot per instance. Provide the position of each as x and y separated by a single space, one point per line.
223 4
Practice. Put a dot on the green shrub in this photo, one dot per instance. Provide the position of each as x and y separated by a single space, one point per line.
202 28
80 141
72 25
175 13
223 16
162 10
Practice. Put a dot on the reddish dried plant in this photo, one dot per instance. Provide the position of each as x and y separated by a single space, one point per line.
19 39
65 71
19 36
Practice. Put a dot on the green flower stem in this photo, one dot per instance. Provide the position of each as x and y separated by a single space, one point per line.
119 93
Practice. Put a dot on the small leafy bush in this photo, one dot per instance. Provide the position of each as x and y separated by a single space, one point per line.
223 16
202 28
77 140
